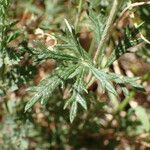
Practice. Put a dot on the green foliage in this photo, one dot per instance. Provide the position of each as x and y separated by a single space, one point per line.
99 101
79 64
123 45
98 24
12 73
103 80
75 69
51 83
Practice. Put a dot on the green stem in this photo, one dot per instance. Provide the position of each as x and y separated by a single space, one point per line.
105 35
107 29
79 13
121 107
125 102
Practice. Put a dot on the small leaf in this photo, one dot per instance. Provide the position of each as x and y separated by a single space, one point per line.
81 101
104 80
32 102
125 91
48 85
44 53
98 22
123 45
68 102
68 26
73 111
74 41
120 79
13 36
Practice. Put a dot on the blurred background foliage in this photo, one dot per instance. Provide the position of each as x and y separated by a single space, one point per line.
48 127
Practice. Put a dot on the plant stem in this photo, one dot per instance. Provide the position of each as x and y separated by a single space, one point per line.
125 102
106 32
133 5
79 13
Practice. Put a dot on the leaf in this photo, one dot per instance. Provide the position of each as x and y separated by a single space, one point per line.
73 111
44 91
103 79
81 101
32 102
143 117
123 46
98 22
44 53
13 36
68 26
120 79
68 102
125 91
78 88
74 41
80 85
75 73
48 85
